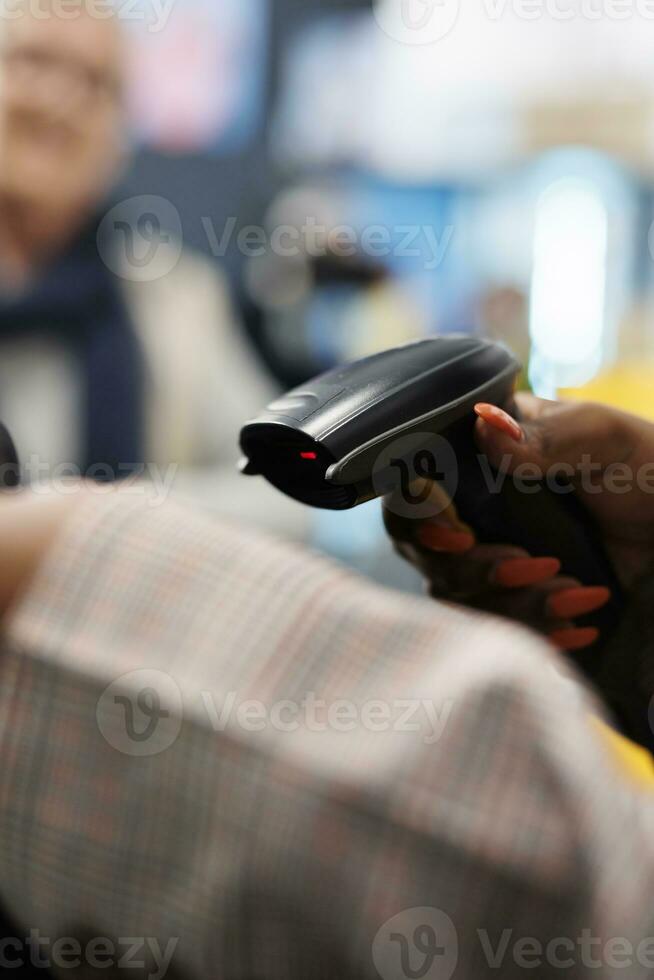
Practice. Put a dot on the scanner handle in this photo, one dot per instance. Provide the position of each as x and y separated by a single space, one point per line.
548 523
543 522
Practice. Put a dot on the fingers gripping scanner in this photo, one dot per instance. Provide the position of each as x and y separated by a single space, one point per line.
367 429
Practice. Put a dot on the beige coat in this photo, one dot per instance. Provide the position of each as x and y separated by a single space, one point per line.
204 382
204 379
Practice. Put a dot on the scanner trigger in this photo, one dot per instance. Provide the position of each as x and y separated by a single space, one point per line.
247 467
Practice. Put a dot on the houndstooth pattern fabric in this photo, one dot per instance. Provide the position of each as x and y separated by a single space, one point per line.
278 771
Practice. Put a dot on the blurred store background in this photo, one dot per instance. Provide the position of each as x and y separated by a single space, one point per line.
498 181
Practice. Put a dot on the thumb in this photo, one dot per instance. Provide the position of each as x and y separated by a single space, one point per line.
551 435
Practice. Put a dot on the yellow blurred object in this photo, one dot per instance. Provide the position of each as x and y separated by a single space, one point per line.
633 760
629 386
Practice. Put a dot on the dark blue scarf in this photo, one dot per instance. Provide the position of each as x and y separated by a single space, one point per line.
79 301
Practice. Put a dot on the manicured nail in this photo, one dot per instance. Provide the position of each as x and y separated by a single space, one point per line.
570 603
499 420
437 537
575 639
518 573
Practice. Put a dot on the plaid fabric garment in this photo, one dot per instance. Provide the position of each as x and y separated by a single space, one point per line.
248 763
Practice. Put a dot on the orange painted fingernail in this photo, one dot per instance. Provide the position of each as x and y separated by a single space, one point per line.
518 573
436 537
500 420
575 639
571 603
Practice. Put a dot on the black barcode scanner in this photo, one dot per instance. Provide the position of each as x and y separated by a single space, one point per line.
357 432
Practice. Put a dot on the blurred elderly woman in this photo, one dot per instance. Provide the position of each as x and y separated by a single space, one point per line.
117 349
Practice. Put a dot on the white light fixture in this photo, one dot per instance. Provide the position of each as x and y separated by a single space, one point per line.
569 285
